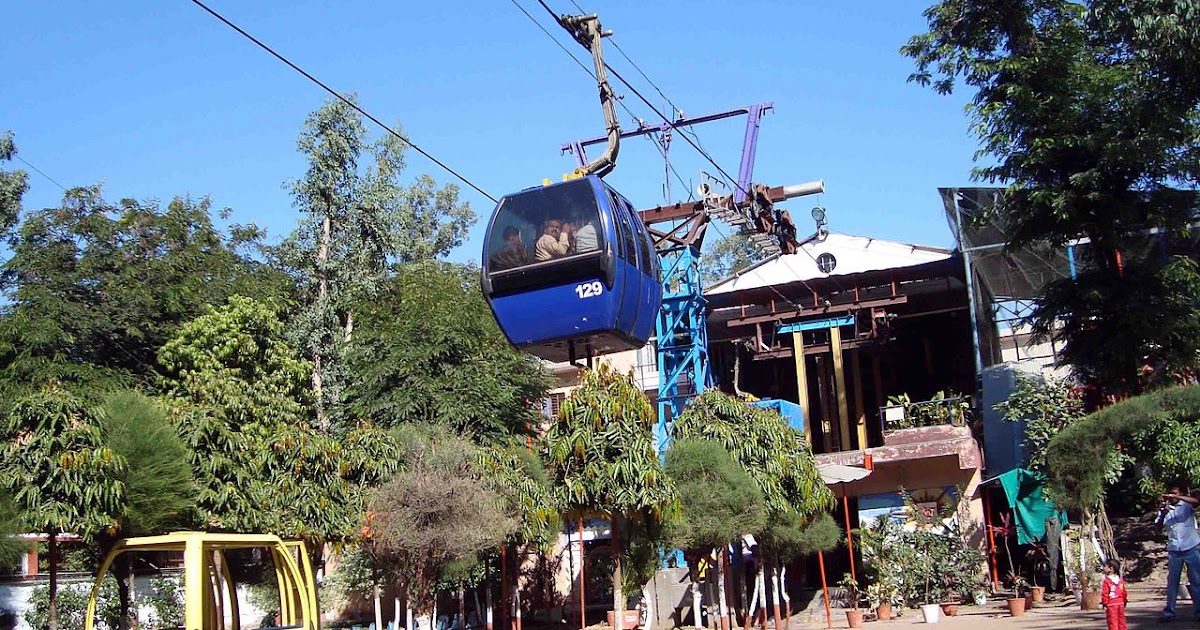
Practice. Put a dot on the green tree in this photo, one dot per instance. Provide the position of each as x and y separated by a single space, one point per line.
357 220
242 405
602 459
775 456
429 351
62 476
159 491
11 547
436 515
95 288
13 185
1083 112
718 502
727 256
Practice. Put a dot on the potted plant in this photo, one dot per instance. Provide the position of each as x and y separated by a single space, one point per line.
1039 560
880 596
1017 603
854 615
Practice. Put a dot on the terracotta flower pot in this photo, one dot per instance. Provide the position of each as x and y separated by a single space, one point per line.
1091 600
854 618
632 620
1016 606
950 609
884 612
1029 602
1038 593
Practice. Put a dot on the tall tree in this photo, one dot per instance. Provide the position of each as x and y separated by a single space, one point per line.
357 220
62 477
603 462
429 351
1085 112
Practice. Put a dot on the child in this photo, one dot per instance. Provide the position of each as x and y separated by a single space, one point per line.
1113 595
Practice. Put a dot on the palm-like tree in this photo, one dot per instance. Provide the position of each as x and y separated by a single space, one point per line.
602 459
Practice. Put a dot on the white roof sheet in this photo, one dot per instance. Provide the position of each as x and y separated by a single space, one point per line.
853 254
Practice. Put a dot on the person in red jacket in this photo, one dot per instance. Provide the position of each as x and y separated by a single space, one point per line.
1113 595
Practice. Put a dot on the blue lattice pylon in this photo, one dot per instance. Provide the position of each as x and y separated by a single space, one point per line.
683 369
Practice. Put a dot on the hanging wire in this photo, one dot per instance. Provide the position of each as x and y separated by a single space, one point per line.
343 99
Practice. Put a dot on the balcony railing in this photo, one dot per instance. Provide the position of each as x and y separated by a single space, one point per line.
901 413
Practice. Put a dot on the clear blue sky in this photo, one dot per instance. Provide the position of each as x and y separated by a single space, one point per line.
158 99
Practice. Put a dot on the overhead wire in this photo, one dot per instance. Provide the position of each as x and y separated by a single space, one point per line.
343 99
702 152
40 172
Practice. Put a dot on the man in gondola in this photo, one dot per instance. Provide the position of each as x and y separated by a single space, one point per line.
513 254
555 242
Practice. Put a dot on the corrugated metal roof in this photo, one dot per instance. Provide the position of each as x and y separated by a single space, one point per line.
852 254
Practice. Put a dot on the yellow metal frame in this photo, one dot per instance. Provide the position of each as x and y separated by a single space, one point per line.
208 585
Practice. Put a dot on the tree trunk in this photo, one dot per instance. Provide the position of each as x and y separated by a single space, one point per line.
787 601
478 607
134 622
618 590
488 619
322 297
462 608
408 612
52 549
694 568
775 589
396 613
122 572
376 594
760 586
723 604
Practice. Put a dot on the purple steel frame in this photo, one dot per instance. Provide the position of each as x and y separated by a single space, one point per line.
749 143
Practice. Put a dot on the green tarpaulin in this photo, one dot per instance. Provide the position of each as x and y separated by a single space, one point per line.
1024 491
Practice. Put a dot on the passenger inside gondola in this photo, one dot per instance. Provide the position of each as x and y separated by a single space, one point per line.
555 241
513 254
586 239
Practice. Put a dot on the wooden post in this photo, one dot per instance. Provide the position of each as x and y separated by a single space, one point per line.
839 379
860 410
802 384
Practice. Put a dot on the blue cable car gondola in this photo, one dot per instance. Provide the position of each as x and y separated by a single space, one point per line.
570 271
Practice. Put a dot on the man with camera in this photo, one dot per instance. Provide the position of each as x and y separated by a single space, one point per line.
1177 514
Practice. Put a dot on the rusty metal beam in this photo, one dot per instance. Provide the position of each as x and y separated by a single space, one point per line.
816 310
819 348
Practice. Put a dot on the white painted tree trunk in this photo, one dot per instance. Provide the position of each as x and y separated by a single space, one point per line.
408 614
775 590
787 601
396 613
378 597
722 603
488 621
696 617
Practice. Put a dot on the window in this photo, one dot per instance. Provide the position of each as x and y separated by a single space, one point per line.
553 404
542 224
628 249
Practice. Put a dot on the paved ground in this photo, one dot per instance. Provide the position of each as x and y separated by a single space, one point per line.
1142 614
